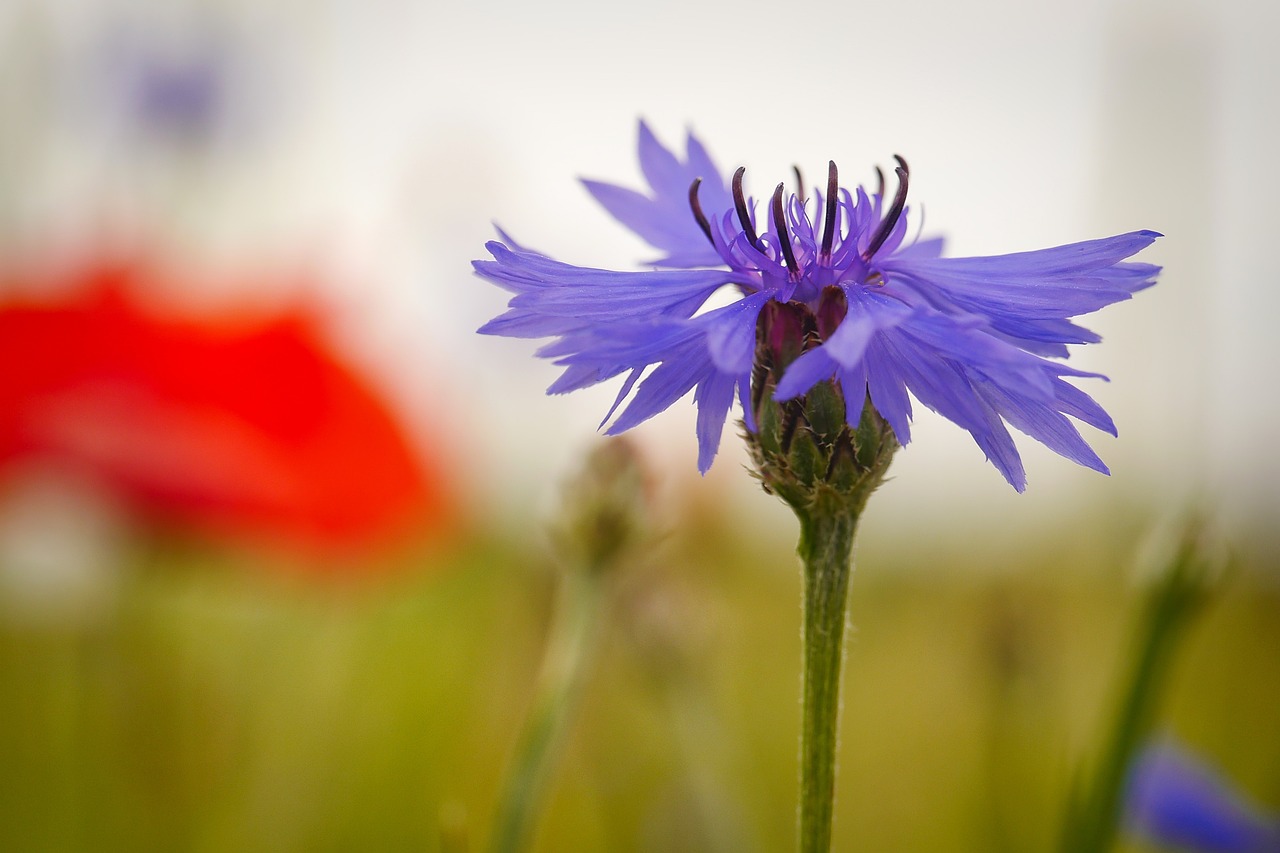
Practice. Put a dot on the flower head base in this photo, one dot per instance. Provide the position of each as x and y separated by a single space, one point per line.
812 448
832 287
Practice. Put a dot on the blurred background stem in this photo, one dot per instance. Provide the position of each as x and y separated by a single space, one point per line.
603 520
1172 603
568 653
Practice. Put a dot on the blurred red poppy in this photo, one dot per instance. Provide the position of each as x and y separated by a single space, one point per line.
244 422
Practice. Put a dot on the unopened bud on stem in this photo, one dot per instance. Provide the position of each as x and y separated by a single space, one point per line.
605 508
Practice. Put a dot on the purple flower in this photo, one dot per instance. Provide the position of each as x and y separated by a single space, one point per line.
970 338
1175 800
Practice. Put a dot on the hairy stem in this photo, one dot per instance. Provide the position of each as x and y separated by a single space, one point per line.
826 549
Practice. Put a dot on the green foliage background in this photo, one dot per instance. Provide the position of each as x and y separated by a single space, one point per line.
217 704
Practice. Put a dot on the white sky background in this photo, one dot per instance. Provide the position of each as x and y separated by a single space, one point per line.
384 137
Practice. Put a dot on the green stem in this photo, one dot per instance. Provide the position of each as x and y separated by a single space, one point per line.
1093 820
826 549
576 622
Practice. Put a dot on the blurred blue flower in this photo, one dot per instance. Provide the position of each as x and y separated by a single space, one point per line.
1176 800
970 338
181 94
196 80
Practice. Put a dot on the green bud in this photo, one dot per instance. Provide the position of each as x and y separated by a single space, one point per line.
605 509
804 450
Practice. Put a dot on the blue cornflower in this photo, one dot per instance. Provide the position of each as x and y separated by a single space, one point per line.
833 280
1174 799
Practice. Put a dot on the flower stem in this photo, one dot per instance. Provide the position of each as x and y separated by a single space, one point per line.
826 549
1094 814
568 653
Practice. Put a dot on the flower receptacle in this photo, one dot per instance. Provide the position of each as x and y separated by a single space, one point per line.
805 446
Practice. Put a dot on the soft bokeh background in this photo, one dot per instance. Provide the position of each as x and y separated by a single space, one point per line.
175 689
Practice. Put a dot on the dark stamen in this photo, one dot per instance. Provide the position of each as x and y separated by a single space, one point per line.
799 183
784 239
879 182
891 216
829 225
697 210
740 204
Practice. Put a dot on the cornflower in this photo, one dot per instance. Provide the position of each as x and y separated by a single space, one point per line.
830 288
840 318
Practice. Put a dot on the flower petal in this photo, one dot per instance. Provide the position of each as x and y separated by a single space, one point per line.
664 219
711 354
1043 423
1065 281
714 397
997 444
888 390
555 298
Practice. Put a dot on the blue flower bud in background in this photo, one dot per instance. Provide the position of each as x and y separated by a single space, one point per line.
1176 800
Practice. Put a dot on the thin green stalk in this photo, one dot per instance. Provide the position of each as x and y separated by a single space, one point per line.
573 632
826 549
1094 815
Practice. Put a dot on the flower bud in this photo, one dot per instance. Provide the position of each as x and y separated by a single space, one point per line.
605 508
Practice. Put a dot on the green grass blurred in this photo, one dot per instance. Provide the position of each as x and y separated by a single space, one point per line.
212 706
